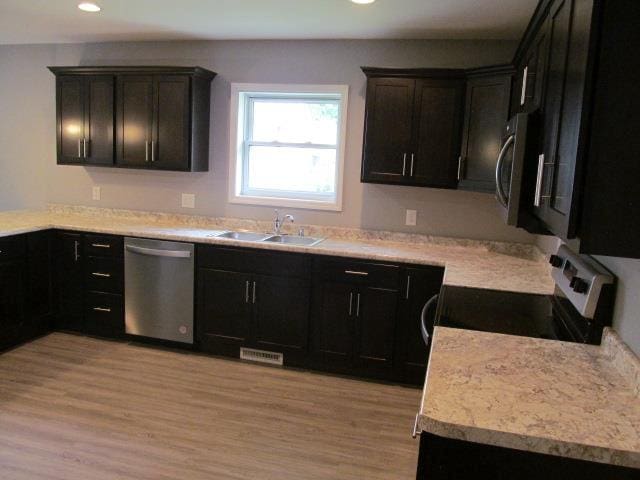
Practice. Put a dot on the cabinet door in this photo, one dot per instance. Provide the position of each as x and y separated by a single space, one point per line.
568 26
438 129
411 351
388 130
70 119
98 120
281 315
530 80
39 293
70 281
171 123
12 300
375 318
486 113
134 121
333 330
223 310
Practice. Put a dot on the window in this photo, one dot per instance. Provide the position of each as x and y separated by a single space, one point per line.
287 145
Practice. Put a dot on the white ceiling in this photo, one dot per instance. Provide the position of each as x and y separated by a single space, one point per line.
59 21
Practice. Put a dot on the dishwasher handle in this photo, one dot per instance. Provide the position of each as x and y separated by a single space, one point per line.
424 316
156 252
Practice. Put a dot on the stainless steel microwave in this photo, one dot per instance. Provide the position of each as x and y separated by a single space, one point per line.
513 167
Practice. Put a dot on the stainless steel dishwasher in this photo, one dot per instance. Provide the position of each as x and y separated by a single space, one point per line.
158 284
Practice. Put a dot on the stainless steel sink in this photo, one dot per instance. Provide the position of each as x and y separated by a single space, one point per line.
293 240
246 236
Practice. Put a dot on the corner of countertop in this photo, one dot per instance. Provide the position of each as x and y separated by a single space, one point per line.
622 357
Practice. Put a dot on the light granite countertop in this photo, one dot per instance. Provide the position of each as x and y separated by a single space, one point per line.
468 263
546 396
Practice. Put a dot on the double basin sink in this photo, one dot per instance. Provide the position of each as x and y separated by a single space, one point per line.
270 238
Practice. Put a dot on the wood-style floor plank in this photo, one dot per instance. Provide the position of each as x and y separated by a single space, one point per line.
73 407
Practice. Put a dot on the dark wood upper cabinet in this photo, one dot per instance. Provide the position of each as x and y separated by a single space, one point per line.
85 119
486 113
135 121
581 82
160 116
412 126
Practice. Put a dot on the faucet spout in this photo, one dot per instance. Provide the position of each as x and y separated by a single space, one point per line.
279 222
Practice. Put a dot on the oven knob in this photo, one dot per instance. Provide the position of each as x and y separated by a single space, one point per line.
556 261
579 285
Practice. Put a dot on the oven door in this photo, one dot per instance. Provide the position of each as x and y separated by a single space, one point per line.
510 168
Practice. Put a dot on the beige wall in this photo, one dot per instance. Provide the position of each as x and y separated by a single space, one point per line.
451 213
626 314
26 142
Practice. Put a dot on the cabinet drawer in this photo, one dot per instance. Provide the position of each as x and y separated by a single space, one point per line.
360 273
104 246
104 315
12 247
254 261
104 275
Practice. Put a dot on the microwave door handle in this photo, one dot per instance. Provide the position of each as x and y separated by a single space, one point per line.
500 194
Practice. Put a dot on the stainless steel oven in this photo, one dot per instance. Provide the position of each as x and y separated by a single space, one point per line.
512 167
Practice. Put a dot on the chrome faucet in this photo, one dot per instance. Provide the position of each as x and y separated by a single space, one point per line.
279 222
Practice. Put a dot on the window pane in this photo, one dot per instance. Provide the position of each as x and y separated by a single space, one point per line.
306 170
295 121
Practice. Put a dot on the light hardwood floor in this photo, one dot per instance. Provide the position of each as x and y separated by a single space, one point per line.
73 407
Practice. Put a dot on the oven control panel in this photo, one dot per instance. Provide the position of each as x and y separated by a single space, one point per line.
580 278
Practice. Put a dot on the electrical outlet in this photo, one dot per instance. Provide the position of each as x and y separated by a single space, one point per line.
411 218
188 200
95 194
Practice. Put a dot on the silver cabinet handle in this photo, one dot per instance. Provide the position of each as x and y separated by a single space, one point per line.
153 151
460 168
358 306
350 303
76 256
101 245
537 199
101 309
254 293
84 147
404 164
99 274
155 252
413 155
355 272
500 195
79 148
523 94
146 151
415 431
246 291
406 295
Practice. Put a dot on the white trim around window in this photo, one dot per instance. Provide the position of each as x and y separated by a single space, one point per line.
244 97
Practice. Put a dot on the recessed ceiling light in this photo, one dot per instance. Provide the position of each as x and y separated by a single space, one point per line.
89 7
363 2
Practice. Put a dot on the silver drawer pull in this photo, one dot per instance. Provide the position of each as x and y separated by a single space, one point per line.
102 309
101 245
98 274
355 272
415 431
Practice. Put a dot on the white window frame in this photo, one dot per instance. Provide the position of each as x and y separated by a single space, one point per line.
240 92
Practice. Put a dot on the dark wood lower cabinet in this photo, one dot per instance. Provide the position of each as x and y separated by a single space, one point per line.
280 316
69 263
223 310
447 459
12 301
332 334
420 285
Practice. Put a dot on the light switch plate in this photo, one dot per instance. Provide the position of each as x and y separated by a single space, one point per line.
95 193
188 200
411 218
